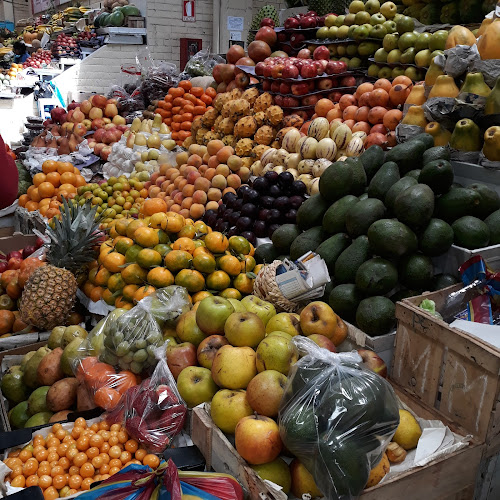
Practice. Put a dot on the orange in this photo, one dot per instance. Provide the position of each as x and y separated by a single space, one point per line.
148 258
218 280
124 381
80 181
144 291
7 319
49 166
129 290
46 189
160 277
230 264
64 166
153 205
121 226
123 244
184 243
68 178
54 178
204 262
173 223
133 226
113 262
115 282
243 283
239 244
190 279
248 265
231 293
35 195
69 188
216 242
23 199
134 274
146 237
38 179
152 460
202 249
188 231
177 260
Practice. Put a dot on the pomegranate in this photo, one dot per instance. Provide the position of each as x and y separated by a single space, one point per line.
234 53
376 139
259 50
267 34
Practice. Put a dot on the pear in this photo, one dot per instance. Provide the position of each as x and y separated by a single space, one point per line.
474 84
491 148
154 141
440 134
140 140
492 105
145 126
144 156
136 125
444 87
130 141
164 129
157 121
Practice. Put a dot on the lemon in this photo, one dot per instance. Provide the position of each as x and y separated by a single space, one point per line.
408 432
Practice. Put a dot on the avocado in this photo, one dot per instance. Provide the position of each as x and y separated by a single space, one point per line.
489 202
391 239
407 155
358 175
350 259
363 196
335 182
396 189
493 223
328 290
436 153
436 238
416 271
344 300
426 139
372 159
283 237
471 232
301 427
415 206
362 215
456 203
331 248
383 180
266 253
311 212
376 315
438 175
414 173
441 281
376 276
334 218
307 241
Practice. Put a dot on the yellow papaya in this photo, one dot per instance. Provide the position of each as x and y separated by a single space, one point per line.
415 116
440 134
459 35
491 147
444 87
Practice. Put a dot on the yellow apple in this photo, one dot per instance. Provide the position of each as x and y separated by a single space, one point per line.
228 408
234 367
284 322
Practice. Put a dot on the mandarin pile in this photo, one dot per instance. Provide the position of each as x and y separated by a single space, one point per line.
68 461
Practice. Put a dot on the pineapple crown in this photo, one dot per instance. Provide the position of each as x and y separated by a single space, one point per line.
73 236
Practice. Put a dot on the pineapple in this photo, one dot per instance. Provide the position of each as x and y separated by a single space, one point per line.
50 292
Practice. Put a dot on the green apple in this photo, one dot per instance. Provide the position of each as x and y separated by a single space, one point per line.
380 55
352 28
280 334
264 310
339 21
196 386
276 471
265 391
362 17
349 19
356 6
394 56
352 50
397 17
322 33
228 408
422 42
234 367
377 19
390 42
373 70
390 27
397 71
244 329
385 72
333 50
423 58
238 306
276 353
405 24
408 56
378 31
344 59
361 32
212 314
407 40
332 32
412 73
367 48
438 40
388 9
284 322
341 50
354 63
187 329
342 33
372 6
330 21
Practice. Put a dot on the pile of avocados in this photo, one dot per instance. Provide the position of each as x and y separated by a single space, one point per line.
378 221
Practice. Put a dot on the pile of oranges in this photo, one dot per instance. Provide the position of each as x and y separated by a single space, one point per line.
57 180
66 462
163 249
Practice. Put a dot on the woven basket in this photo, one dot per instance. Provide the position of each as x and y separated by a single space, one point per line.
265 288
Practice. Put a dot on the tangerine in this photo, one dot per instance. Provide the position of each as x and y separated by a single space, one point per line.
243 283
153 205
218 280
204 262
148 258
231 293
160 277
185 244
230 264
239 244
216 242
173 223
144 291
134 274
113 262
146 237
177 260
191 279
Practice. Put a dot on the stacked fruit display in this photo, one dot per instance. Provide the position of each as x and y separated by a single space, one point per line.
228 76
81 455
42 387
163 249
63 139
14 70
65 46
40 59
56 181
413 183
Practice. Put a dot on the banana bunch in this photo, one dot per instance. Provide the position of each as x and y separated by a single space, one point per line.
72 14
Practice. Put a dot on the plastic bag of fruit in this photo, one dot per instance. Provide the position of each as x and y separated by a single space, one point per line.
153 412
337 417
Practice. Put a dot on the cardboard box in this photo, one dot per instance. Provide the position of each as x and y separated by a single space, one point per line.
16 242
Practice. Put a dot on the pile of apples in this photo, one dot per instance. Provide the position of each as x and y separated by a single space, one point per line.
65 45
39 59
237 355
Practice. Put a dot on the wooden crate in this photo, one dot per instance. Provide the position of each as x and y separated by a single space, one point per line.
448 369
449 478
135 22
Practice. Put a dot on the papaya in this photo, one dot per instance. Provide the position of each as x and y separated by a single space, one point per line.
416 96
489 43
459 35
415 116
440 134
466 136
444 87
492 105
491 148
474 84
484 25
432 73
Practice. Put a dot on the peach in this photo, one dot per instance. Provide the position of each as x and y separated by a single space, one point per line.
160 180
347 100
187 202
182 183
154 176
213 162
202 183
147 184
350 112
161 195
182 158
192 176
177 180
193 149
361 127
361 114
169 204
206 157
214 194
219 181
174 175
364 99
174 192
222 169
376 115
195 161
378 97
200 197
184 212
188 190
163 168
382 83
350 123
197 211
165 185
189 169
392 118
234 181
214 146
170 189
182 169
175 208
244 173
202 170
212 205
153 191
224 153
234 163
210 173
364 87
179 198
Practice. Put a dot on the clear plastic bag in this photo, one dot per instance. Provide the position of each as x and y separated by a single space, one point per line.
337 418
202 63
153 412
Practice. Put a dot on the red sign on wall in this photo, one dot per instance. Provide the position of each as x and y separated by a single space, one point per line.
188 11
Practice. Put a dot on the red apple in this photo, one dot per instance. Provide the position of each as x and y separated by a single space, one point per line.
300 88
297 39
267 34
323 342
373 362
304 54
285 88
291 102
180 356
15 254
290 71
268 70
266 85
291 23
324 84
279 100
347 81
332 68
3 266
259 68
277 71
275 86
308 71
308 22
310 100
321 52
267 21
